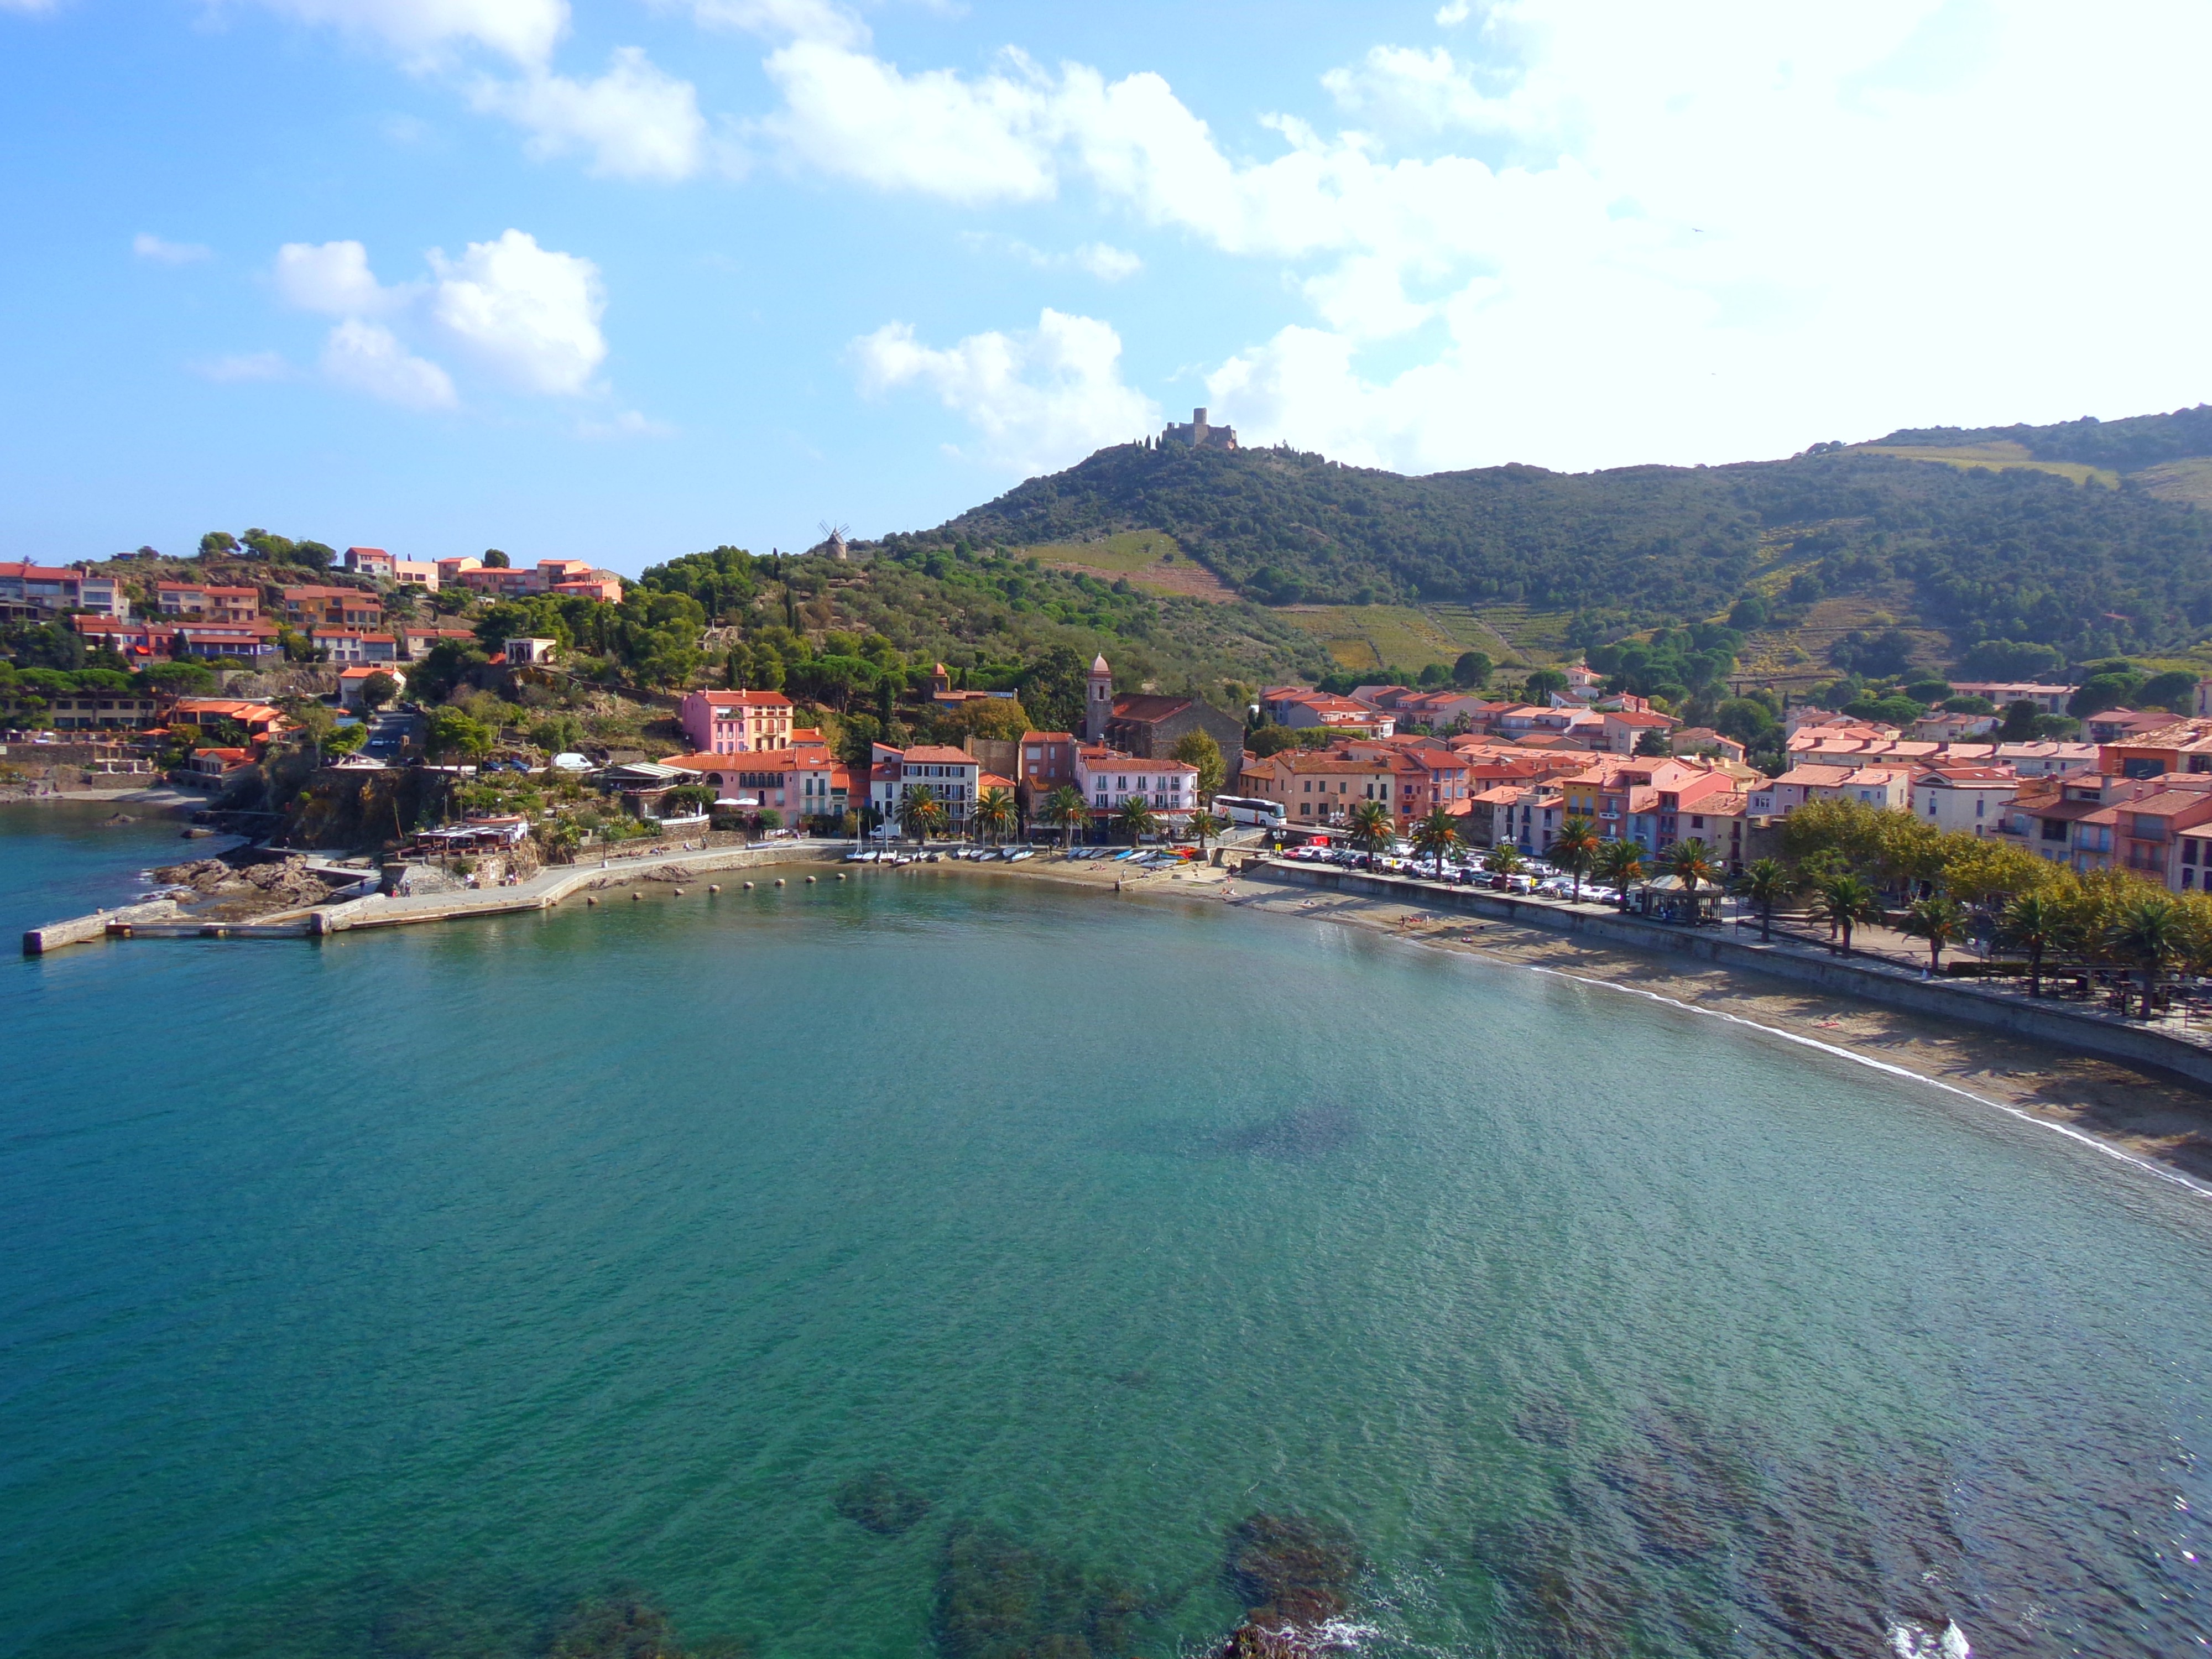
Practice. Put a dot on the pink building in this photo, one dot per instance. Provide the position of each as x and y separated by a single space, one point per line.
736 722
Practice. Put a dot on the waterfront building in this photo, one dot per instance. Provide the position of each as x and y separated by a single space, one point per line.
803 783
736 722
1964 799
1108 778
1887 788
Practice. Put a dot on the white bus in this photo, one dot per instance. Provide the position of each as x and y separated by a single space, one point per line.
1250 809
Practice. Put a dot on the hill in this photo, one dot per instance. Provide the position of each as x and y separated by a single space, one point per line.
2085 537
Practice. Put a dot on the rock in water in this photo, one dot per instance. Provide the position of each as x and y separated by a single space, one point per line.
878 1502
1249 1641
999 1599
1291 1571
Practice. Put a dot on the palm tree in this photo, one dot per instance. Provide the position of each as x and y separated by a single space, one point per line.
1066 807
1436 835
1938 919
1619 865
2036 924
2148 933
1369 826
1574 850
921 812
1691 863
1504 859
1137 819
1843 901
1766 883
992 813
1204 824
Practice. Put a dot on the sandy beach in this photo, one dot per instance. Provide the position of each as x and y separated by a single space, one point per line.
2159 1119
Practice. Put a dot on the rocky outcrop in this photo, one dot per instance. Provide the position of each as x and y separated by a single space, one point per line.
218 891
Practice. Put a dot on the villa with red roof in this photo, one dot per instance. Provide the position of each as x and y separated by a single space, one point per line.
736 722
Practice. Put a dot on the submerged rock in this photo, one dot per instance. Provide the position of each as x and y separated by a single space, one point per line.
1291 1572
626 1625
1291 1137
999 1599
878 1502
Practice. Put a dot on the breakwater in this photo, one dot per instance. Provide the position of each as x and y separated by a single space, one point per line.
165 919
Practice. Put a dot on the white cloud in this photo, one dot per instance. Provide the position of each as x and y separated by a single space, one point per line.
530 315
334 278
1104 261
147 246
244 365
1605 232
938 133
1107 263
628 423
635 121
369 357
426 31
1040 398
798 20
1451 13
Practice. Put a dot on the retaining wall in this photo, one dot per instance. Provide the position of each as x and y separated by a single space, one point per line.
2085 1029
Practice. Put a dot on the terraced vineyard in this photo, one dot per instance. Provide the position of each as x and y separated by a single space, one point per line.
1363 636
1536 637
1150 560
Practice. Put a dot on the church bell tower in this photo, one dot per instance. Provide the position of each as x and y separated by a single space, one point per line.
1098 707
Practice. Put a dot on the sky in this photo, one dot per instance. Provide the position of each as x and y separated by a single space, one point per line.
623 279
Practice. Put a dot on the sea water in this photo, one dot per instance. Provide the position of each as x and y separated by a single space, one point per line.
927 1263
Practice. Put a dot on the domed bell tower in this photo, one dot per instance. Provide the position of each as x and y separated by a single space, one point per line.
1098 707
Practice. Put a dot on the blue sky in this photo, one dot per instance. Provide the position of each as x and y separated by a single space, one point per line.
618 279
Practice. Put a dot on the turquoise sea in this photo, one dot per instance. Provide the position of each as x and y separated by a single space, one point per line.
929 1264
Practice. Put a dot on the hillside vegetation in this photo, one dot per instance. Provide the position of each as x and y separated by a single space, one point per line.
2084 536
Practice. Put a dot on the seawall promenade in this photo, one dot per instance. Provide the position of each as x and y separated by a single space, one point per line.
2088 1030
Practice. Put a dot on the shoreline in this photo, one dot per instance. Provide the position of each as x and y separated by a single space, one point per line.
2159 1124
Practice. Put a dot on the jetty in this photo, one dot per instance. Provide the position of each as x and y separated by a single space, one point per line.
166 919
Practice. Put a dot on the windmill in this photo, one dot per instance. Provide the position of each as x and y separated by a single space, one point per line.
833 539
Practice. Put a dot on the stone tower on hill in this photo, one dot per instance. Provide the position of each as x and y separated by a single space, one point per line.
1199 434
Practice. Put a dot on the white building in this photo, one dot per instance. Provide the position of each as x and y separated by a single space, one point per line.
1108 778
1967 799
953 775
